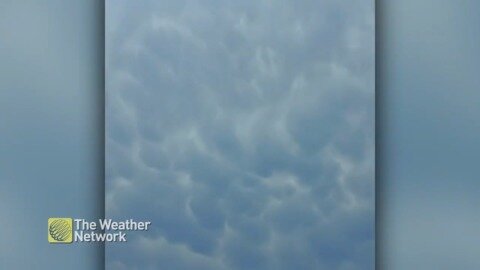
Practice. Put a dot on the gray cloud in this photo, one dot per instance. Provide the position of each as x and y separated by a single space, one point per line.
244 131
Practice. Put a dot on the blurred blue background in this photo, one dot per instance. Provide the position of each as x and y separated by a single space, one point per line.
51 129
428 104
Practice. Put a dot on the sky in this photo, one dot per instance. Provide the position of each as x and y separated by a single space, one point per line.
428 146
244 131
428 126
51 129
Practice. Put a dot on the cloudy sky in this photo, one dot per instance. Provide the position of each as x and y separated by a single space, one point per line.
244 130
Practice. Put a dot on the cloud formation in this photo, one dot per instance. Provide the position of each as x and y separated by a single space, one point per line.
244 131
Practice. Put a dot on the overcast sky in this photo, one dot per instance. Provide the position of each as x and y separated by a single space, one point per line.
244 131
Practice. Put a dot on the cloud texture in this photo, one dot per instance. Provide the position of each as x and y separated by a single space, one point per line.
244 131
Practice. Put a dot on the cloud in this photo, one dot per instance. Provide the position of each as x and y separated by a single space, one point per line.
244 131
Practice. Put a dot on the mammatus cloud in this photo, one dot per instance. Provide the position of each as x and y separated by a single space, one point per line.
244 131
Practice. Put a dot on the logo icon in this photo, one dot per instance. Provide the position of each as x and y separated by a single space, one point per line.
60 230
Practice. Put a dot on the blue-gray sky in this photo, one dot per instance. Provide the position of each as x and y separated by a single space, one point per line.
244 130
51 129
430 148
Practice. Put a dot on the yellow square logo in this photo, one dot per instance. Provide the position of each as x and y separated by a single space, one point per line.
60 230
